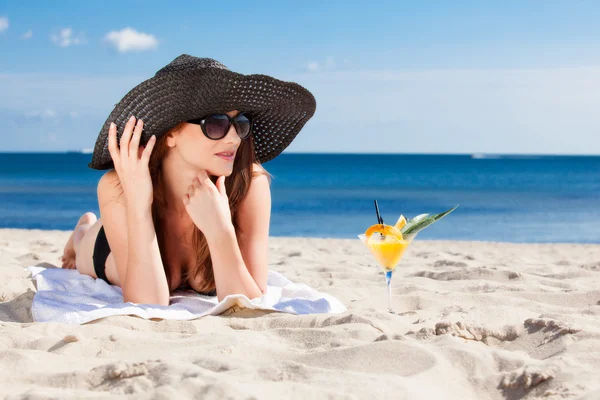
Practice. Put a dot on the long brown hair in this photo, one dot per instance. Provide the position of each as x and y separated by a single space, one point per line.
236 185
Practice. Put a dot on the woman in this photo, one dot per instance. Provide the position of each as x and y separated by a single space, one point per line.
187 202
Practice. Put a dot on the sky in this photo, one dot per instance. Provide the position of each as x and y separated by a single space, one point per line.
510 77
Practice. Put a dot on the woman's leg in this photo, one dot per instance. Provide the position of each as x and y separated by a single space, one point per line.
71 249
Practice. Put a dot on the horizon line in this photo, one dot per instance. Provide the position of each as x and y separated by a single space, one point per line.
474 154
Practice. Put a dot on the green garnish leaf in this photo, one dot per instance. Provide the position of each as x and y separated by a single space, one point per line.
422 221
412 222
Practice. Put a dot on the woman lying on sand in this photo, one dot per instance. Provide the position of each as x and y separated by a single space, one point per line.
186 202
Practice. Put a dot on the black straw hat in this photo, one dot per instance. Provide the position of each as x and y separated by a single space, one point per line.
191 87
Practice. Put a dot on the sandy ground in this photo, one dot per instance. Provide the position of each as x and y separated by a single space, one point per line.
475 320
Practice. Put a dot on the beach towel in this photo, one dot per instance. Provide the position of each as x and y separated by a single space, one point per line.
67 296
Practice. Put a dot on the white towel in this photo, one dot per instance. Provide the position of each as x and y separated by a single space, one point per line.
65 295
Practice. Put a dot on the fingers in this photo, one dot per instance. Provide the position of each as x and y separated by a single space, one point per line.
203 176
112 144
135 139
148 150
197 184
203 179
124 143
203 182
221 185
129 144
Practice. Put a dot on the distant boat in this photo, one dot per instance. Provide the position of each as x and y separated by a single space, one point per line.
484 156
81 151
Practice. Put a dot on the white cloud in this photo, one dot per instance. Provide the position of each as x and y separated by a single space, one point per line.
330 63
47 113
315 66
3 24
524 111
90 97
129 39
65 38
27 35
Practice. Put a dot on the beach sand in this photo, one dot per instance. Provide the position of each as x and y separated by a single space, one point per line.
475 320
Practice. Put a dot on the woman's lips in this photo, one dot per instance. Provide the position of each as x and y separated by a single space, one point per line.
227 156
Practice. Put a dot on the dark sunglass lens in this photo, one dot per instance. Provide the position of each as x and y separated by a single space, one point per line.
216 126
242 125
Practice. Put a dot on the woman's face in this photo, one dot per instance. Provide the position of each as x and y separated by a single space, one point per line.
214 156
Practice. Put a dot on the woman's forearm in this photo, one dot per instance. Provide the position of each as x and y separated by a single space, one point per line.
231 274
146 281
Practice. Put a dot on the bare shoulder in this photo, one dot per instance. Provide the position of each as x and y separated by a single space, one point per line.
259 170
109 188
260 182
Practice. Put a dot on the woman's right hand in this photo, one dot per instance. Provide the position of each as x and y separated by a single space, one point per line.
131 163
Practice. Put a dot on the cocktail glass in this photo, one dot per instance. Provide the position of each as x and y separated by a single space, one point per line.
387 250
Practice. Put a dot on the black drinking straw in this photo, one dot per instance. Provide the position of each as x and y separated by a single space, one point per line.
379 219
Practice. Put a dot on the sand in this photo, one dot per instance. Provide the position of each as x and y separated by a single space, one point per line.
475 320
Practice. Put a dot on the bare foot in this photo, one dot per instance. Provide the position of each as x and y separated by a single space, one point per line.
84 223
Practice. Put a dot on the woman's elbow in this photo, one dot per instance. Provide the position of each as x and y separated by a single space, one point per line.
138 298
154 302
262 288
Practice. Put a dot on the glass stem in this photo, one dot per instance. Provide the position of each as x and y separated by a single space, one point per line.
388 281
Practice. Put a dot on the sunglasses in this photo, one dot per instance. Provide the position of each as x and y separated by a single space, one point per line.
216 126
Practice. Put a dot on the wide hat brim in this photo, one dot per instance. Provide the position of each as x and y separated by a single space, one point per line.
279 109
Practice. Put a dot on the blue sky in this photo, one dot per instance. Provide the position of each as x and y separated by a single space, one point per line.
402 77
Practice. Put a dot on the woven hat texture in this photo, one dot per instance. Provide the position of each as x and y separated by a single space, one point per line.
191 87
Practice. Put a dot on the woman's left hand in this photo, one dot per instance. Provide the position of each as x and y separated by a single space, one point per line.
208 206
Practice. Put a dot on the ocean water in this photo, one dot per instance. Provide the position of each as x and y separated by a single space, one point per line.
508 198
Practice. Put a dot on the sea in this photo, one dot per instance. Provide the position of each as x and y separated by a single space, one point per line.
500 198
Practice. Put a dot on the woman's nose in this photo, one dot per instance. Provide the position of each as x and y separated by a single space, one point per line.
232 136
